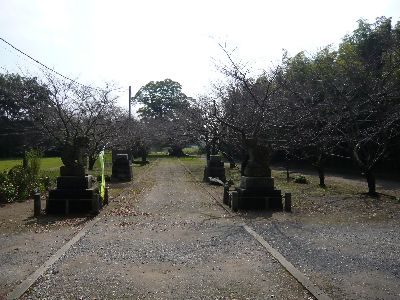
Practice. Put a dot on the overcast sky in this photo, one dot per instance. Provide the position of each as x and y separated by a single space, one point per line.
134 42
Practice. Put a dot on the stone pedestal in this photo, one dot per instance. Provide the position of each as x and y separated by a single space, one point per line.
215 168
256 190
122 169
256 193
74 194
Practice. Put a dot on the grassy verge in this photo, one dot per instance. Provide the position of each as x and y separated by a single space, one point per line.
47 163
310 196
194 150
195 165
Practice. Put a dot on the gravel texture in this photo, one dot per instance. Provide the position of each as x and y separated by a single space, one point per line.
169 240
348 261
349 247
22 253
26 242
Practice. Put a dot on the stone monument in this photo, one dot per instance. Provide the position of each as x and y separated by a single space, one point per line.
76 192
214 168
114 154
256 190
122 169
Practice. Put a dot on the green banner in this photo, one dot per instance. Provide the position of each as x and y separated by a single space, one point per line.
103 181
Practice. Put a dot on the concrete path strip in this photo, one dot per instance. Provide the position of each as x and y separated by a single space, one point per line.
312 288
26 284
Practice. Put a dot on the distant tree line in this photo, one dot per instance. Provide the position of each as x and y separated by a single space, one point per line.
342 102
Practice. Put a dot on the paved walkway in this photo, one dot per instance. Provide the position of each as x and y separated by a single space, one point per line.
178 244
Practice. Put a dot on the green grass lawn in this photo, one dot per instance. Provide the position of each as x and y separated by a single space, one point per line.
7 164
47 163
51 165
193 150
300 191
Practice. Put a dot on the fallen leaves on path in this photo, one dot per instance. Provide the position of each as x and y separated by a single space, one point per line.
46 224
125 211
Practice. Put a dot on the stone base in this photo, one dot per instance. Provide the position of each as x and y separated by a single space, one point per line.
255 193
72 171
122 173
259 199
215 168
80 201
75 182
216 172
257 182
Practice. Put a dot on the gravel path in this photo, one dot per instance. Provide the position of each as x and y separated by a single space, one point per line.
26 242
23 252
351 250
176 243
348 261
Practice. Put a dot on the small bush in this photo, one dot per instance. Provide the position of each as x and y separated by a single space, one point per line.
301 179
7 189
45 183
21 181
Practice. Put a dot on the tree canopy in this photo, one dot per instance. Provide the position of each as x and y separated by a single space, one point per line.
159 99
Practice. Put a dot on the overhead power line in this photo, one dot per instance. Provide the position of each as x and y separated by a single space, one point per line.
46 67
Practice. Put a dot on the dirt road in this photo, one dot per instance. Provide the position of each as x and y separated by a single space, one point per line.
171 241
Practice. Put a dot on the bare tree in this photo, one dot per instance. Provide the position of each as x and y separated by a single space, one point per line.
247 108
73 111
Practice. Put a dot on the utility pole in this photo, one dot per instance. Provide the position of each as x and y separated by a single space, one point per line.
129 102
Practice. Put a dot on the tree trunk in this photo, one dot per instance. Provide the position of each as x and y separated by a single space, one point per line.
244 164
287 167
176 151
321 175
370 176
144 158
92 160
367 172
214 149
25 161
319 164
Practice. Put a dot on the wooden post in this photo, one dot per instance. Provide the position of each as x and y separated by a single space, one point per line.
288 202
37 204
